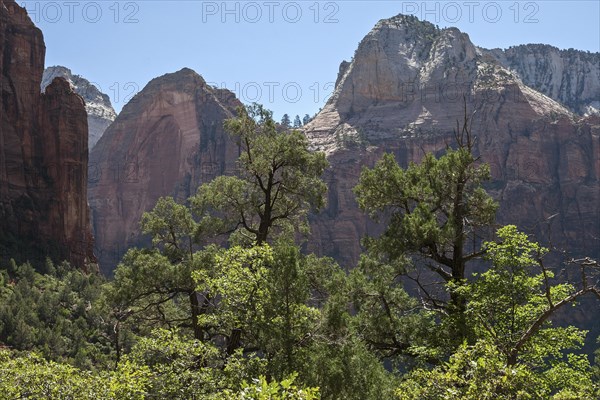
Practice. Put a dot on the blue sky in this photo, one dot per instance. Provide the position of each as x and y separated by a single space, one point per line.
284 54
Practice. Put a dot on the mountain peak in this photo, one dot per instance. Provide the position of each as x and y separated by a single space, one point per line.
168 140
184 76
407 20
408 77
97 104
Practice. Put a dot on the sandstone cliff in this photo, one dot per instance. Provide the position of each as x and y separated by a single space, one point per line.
167 141
43 152
571 77
403 93
100 112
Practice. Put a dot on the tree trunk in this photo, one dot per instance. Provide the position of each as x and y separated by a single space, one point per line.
197 310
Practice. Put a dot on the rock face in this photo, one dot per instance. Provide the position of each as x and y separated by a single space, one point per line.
43 152
404 92
97 104
571 77
167 141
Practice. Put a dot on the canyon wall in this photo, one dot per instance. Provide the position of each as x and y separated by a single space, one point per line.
43 153
167 141
404 91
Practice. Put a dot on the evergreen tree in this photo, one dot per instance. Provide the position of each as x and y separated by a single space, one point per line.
279 181
306 119
297 122
517 352
60 313
439 210
286 122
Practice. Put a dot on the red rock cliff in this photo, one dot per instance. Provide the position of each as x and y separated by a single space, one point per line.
167 141
403 93
43 152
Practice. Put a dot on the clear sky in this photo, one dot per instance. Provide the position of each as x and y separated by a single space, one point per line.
284 54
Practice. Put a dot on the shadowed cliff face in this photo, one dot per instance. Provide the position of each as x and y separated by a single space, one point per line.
404 92
43 152
166 142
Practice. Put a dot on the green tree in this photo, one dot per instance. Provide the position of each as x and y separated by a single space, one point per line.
437 211
268 301
512 303
279 180
297 122
261 389
291 310
58 314
277 184
306 119
29 376
150 290
286 122
392 323
178 366
517 353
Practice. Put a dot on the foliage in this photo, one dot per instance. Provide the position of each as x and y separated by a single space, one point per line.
346 369
58 313
480 372
507 303
152 290
390 321
435 206
261 389
437 212
278 182
153 287
172 228
31 376
517 354
177 367
267 301
285 121
297 122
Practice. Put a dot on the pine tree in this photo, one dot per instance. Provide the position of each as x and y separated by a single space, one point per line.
297 122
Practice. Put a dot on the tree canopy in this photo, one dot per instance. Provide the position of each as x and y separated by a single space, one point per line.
225 304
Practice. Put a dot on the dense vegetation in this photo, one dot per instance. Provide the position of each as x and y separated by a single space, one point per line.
225 305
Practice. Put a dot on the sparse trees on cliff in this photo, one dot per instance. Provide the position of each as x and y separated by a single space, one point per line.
286 122
297 122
